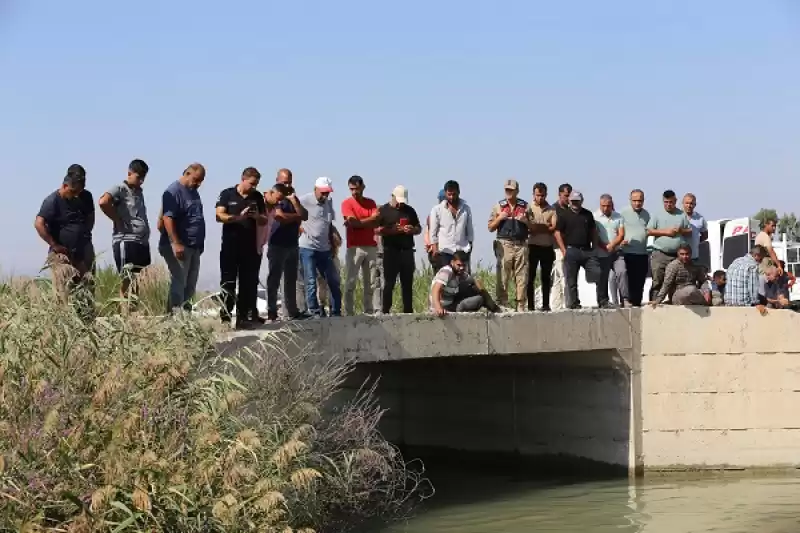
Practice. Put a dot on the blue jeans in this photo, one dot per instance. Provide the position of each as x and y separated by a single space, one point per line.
314 261
183 276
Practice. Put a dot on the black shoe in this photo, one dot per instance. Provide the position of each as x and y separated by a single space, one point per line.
246 324
300 315
545 309
272 316
258 319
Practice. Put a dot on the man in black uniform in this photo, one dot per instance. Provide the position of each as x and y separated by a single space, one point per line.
240 209
576 236
398 223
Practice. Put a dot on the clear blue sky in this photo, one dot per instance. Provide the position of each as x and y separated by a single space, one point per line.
697 96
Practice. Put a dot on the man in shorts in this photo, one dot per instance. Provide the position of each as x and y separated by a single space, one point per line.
124 205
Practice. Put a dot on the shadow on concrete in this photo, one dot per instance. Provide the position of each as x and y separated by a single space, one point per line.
542 415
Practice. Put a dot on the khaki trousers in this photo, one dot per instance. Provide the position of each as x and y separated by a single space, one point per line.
512 257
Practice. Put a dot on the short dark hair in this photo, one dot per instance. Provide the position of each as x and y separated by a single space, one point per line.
251 172
461 255
719 274
356 180
767 221
451 185
760 250
540 187
669 193
282 188
139 167
76 175
685 247
565 187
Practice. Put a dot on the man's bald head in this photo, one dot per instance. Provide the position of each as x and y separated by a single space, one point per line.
284 176
194 175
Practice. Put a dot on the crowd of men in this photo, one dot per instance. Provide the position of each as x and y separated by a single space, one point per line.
302 244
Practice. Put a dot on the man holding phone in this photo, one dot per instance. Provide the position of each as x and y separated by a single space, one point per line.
240 209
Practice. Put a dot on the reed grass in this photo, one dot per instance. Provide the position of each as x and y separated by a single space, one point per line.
138 424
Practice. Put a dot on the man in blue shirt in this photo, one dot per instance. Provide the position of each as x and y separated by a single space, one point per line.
183 234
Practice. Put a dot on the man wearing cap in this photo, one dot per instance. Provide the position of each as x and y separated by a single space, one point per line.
65 222
315 244
510 219
398 224
576 235
451 226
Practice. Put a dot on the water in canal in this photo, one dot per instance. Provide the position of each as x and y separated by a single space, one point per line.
727 503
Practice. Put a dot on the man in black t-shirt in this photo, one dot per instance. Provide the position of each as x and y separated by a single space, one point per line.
398 224
65 222
240 209
576 236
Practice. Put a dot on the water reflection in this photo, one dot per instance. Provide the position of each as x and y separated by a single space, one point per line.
729 504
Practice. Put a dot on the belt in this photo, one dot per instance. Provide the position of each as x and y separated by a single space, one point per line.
582 248
671 254
514 241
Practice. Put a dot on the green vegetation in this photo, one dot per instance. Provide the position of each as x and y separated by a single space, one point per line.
134 424
787 223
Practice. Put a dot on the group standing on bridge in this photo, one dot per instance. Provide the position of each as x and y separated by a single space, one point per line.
301 243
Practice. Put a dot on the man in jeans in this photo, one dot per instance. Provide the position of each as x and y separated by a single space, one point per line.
635 220
360 217
540 246
671 229
610 232
183 235
576 235
283 251
398 224
315 247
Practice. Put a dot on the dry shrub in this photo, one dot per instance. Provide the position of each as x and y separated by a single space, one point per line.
141 425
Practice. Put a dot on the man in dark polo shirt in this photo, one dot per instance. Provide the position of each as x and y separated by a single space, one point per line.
576 235
398 223
283 251
240 209
65 222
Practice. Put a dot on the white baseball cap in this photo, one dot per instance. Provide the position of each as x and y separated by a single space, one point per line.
400 194
323 184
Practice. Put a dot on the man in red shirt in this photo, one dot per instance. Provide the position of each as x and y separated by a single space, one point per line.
360 217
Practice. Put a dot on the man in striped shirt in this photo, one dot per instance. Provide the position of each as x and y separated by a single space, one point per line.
682 280
743 281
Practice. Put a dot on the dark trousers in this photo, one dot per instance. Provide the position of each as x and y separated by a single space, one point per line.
543 256
282 261
605 264
397 262
636 266
238 262
575 259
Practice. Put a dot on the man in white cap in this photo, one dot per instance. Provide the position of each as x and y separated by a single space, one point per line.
576 236
317 235
398 224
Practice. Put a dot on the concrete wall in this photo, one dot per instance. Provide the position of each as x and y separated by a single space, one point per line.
670 388
721 388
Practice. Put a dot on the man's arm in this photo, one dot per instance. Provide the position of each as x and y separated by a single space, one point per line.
704 231
298 206
108 201
336 237
668 285
495 218
470 232
47 212
433 225
88 200
170 209
617 240
436 298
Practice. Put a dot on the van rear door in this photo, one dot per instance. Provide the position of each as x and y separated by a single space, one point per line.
737 239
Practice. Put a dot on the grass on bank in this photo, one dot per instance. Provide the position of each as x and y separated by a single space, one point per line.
134 424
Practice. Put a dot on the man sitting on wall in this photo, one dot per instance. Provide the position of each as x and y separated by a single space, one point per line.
454 290
682 281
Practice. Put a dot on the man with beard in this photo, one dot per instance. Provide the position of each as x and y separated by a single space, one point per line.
453 290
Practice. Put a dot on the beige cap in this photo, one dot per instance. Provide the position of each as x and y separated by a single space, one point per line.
400 194
512 185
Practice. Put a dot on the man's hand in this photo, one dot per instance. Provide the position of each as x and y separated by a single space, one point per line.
440 312
502 215
783 300
780 270
563 252
58 249
178 249
408 228
624 243
434 249
761 309
675 232
610 248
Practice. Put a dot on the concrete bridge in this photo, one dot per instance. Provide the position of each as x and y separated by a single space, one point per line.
673 388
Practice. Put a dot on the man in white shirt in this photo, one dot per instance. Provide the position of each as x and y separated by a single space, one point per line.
450 227
698 225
